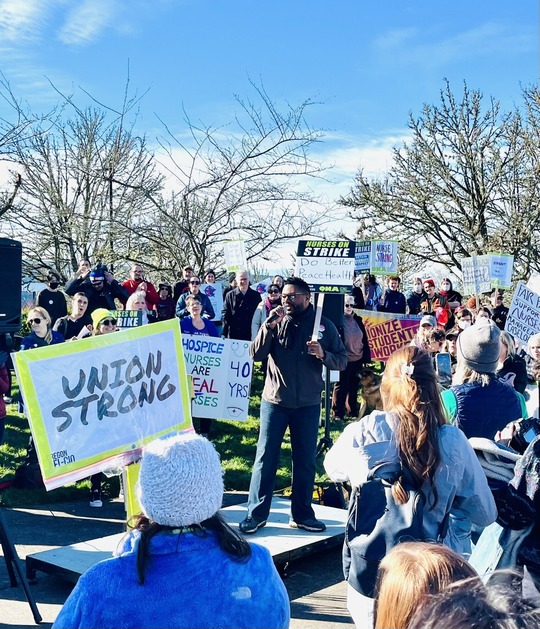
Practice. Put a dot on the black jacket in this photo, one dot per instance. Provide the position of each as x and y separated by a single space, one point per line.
238 311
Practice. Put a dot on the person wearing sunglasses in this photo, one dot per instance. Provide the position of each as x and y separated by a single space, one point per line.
104 322
354 336
273 299
41 334
195 289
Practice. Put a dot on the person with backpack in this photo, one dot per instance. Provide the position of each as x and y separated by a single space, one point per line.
422 455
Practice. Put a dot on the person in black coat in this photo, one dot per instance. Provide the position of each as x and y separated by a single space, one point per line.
100 287
238 309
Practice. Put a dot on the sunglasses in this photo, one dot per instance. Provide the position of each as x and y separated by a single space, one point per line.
195 282
37 321
108 322
349 305
273 292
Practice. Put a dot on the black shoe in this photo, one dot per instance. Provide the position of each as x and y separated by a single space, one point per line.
312 525
251 525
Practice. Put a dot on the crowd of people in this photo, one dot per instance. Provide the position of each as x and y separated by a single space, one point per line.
427 424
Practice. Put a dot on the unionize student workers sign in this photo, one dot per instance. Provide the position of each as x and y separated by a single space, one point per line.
93 403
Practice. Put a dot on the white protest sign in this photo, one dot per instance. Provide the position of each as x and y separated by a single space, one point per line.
214 292
235 255
92 404
326 265
523 318
501 266
476 275
384 257
221 371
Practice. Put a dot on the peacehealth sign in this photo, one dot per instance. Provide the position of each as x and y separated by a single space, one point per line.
92 404
326 265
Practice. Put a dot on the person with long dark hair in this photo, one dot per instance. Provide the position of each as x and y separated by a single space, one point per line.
412 429
181 566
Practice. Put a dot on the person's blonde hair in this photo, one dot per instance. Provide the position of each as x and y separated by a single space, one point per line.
508 342
409 390
46 317
408 574
133 297
464 374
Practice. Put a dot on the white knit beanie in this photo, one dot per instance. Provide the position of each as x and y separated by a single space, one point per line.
180 480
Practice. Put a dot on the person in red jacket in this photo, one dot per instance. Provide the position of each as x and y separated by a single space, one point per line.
138 283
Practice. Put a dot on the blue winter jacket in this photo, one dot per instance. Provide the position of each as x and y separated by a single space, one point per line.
481 411
190 582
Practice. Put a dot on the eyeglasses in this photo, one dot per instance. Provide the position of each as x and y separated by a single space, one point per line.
273 292
194 282
108 322
348 305
37 321
292 296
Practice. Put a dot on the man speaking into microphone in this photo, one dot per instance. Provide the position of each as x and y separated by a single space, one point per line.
291 398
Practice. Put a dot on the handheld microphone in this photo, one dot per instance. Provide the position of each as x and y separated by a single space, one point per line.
273 318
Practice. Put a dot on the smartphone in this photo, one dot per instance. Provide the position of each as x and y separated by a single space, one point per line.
443 367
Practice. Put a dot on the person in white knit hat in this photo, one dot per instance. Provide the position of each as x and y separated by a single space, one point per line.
182 565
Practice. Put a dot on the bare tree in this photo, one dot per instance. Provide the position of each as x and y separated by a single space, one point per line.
463 185
85 184
246 181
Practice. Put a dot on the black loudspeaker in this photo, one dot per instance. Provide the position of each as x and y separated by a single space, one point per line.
10 285
333 308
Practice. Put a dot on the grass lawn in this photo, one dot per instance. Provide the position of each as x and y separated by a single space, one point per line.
235 441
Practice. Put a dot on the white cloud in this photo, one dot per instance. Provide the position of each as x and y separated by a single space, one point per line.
412 47
23 20
86 22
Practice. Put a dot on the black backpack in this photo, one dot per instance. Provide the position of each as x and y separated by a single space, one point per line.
376 523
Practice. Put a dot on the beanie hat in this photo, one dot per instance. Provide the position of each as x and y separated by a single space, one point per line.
479 346
97 276
99 314
429 282
180 480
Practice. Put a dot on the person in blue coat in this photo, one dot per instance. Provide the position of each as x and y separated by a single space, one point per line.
195 289
181 566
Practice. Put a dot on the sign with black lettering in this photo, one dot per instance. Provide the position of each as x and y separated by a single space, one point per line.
326 265
221 371
92 404
523 318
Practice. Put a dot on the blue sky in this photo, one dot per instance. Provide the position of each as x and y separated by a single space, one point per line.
368 63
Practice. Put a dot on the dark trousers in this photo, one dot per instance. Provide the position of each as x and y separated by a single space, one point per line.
303 424
345 396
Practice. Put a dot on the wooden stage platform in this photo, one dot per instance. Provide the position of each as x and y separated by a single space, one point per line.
284 543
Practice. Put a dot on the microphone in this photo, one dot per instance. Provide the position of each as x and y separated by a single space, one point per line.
274 317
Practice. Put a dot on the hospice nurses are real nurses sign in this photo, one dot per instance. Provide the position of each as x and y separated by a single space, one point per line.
221 372
92 404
